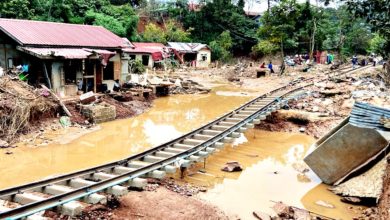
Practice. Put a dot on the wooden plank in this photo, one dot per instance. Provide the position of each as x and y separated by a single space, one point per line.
58 99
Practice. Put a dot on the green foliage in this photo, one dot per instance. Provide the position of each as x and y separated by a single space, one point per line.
153 33
376 13
216 17
220 48
16 9
377 44
120 18
137 66
265 47
106 21
171 33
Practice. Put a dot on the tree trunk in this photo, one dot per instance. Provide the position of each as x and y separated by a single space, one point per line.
269 5
312 42
282 67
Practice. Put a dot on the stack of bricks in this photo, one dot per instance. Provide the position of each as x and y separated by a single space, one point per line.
99 113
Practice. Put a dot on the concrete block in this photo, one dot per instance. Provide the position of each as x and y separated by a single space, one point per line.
157 174
185 163
227 140
249 125
194 158
170 169
73 208
202 154
219 145
242 129
138 182
95 199
235 135
210 150
256 121
117 190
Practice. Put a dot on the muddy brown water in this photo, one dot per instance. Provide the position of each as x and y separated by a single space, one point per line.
268 158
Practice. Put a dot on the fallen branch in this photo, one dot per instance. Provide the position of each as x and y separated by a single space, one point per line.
58 99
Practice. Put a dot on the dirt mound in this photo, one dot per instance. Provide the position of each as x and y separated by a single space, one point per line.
22 105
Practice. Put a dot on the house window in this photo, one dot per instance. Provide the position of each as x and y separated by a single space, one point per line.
132 57
145 60
204 57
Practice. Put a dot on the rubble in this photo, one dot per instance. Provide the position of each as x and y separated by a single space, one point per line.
232 166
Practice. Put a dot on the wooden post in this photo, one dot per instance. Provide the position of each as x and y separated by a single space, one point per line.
94 78
58 99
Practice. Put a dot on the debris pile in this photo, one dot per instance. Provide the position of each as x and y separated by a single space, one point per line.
181 86
21 105
170 184
232 166
284 212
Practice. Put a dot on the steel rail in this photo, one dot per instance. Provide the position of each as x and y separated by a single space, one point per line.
55 200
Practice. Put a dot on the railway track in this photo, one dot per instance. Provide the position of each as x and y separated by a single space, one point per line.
90 185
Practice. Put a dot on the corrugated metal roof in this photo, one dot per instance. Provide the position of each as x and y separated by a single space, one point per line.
187 47
67 53
159 46
28 33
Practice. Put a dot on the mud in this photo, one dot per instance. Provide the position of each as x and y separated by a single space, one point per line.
170 117
273 171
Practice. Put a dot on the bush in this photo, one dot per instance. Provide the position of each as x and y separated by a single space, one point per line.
137 66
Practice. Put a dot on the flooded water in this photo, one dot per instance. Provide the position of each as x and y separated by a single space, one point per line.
270 159
272 163
170 117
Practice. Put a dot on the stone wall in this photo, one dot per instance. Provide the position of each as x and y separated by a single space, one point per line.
100 113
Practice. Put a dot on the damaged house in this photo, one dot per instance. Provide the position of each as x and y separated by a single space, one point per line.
150 54
193 54
65 57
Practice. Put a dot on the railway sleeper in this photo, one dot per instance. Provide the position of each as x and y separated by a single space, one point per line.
210 132
157 174
164 154
241 116
242 129
227 140
169 169
60 189
219 145
152 159
138 182
174 150
234 120
191 141
235 135
228 124
117 190
219 127
183 146
246 111
137 164
203 136
249 125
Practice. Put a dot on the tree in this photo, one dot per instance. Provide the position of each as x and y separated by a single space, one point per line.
376 13
172 32
16 9
153 33
279 26
220 48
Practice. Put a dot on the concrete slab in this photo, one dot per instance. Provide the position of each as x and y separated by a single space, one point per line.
344 151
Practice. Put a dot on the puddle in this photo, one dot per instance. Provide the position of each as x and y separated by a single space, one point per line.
272 164
169 118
